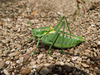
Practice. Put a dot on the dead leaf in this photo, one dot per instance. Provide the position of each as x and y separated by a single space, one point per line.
1 24
34 12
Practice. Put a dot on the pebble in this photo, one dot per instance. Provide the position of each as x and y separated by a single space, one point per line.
1 51
17 53
25 71
67 68
59 63
7 62
34 66
21 59
98 71
10 26
16 57
74 58
45 71
52 66
99 37
26 57
1 24
98 43
15 29
46 64
84 65
12 54
39 67
2 63
18 61
59 69
33 63
40 56
6 72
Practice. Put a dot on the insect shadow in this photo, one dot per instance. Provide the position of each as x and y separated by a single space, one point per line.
58 69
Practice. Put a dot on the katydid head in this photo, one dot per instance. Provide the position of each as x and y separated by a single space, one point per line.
38 32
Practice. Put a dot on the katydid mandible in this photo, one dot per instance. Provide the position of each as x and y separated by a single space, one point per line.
54 37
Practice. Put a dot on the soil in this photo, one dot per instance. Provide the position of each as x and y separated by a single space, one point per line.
17 52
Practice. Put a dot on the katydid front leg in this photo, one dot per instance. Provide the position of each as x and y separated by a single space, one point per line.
54 37
37 45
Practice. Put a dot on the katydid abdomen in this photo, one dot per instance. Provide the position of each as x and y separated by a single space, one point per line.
68 40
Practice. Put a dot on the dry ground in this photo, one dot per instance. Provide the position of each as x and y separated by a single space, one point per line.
16 52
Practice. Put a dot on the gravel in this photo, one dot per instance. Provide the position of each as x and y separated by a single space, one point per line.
16 52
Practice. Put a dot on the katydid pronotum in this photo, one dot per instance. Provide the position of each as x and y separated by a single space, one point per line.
54 37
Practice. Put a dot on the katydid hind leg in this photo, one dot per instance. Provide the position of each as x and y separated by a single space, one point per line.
62 40
59 23
67 25
54 37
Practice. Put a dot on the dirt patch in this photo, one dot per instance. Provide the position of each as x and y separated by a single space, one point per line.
16 52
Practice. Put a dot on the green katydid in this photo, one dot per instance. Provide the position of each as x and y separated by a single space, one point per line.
55 37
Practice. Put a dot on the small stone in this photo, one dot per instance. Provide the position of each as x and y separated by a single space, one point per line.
21 59
39 67
15 29
33 63
6 52
26 57
34 66
60 69
45 71
92 25
4 41
98 43
40 56
55 74
2 63
59 13
46 64
17 53
84 65
9 26
59 63
12 54
74 58
16 57
99 37
7 62
67 68
6 72
52 66
1 24
1 51
98 71
25 71
97 58
34 12
18 61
